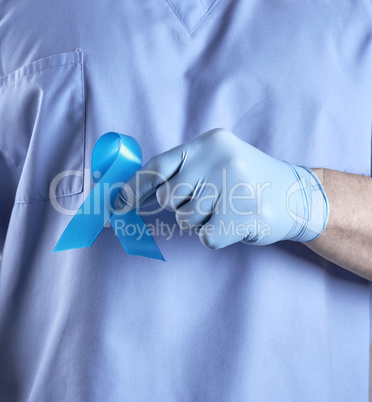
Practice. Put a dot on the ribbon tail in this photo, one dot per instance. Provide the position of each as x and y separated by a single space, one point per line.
137 240
86 224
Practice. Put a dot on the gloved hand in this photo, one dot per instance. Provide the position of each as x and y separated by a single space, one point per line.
230 191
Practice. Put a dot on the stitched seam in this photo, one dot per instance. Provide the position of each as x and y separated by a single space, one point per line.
84 117
68 194
6 83
198 22
64 195
204 16
178 16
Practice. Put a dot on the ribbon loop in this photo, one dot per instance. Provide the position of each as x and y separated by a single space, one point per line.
115 158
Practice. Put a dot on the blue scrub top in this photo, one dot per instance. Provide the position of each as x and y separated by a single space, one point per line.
274 323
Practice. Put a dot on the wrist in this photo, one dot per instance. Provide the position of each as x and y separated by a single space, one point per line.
307 204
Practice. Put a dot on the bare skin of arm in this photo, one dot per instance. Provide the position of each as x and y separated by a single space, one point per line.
347 238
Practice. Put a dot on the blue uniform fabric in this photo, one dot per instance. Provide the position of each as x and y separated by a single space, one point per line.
237 324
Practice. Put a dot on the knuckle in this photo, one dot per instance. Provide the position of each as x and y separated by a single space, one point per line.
163 197
209 242
221 135
154 164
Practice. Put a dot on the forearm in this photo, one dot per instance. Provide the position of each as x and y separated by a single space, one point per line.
347 238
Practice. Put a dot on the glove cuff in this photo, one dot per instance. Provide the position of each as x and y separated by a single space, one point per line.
311 216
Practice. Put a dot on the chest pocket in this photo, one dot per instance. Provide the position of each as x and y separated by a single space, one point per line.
42 124
191 12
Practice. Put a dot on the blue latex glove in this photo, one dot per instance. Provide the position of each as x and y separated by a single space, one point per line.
229 191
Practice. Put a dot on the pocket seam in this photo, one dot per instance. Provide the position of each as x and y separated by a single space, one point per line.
33 74
6 79
78 62
49 198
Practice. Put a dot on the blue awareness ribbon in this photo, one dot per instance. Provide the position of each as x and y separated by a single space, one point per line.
115 158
